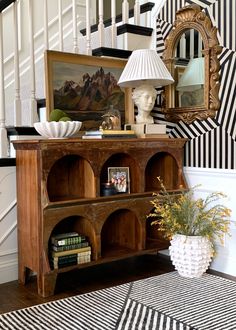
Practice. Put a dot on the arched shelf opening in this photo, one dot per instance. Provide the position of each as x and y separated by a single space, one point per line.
161 165
77 224
68 179
121 234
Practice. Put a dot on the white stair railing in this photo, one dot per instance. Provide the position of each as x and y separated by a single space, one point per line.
125 11
21 80
3 132
113 24
60 26
33 102
75 27
137 12
101 28
88 29
45 21
17 101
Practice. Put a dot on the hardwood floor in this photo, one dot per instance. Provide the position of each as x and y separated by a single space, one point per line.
15 296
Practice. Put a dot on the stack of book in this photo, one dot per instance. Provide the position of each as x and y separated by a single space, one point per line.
69 249
109 134
148 130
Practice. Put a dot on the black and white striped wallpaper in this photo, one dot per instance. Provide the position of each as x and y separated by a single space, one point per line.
212 143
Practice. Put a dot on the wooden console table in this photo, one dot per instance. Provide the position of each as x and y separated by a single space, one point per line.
58 189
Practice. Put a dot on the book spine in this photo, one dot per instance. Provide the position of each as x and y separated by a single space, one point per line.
68 240
119 136
109 132
69 252
64 235
88 137
69 260
84 257
69 247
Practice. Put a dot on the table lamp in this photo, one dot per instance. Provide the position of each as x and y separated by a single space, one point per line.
144 71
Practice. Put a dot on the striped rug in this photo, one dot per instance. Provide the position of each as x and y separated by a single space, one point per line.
164 302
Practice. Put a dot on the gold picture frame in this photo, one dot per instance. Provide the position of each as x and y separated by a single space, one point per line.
84 86
193 17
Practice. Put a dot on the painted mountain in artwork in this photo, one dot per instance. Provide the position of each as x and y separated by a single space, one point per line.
95 93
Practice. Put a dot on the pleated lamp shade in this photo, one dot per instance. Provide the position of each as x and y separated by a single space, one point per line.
193 77
145 67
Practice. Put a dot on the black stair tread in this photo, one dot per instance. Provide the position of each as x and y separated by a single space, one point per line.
135 29
21 130
6 162
112 52
41 103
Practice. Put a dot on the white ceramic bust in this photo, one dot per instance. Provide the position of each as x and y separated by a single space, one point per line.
144 97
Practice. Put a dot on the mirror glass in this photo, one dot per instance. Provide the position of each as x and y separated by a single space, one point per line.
189 70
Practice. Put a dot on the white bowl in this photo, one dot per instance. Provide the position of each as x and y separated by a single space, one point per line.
57 129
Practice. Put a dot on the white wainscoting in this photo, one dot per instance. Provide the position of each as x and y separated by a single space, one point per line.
8 225
224 181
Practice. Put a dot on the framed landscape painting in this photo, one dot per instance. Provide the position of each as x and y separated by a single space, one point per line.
85 86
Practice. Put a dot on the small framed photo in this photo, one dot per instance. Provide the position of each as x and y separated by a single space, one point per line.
119 176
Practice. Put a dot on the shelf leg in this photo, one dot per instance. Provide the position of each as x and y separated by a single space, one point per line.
46 284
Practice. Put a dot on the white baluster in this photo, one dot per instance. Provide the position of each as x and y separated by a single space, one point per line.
60 26
88 30
125 11
191 46
75 30
101 30
17 100
113 24
33 104
199 45
137 13
45 13
182 52
3 131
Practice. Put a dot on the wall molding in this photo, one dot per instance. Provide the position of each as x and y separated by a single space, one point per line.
9 270
8 252
213 172
218 180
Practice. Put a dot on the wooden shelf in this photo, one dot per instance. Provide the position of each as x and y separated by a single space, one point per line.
58 190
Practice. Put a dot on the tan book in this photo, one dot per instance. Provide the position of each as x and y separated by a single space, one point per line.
117 131
156 136
66 253
109 132
155 129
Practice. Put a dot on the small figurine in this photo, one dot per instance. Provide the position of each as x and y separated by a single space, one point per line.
111 119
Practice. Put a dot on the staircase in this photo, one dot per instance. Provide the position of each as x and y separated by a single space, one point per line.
69 26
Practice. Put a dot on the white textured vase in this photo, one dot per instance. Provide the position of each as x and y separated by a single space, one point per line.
191 255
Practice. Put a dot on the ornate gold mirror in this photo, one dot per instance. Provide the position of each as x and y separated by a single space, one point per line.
190 54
